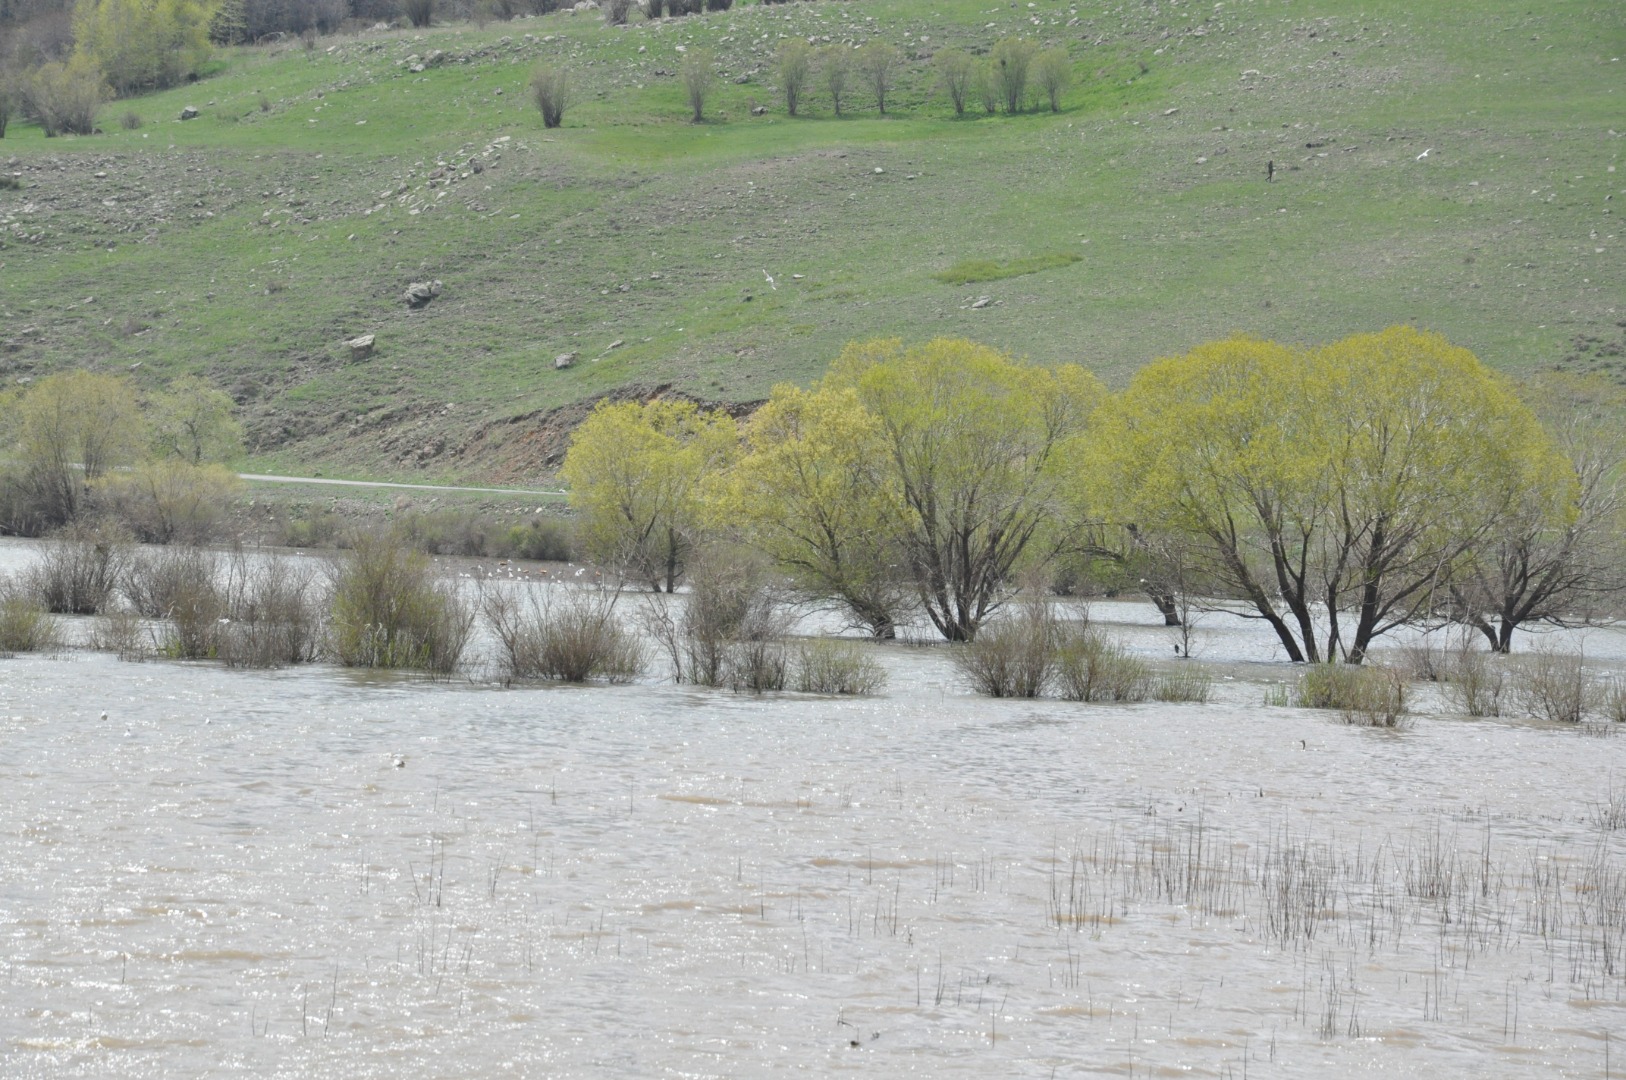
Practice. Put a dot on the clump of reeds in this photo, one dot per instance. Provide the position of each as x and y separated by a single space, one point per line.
123 632
389 610
837 667
1612 698
1183 684
563 633
1550 684
1367 695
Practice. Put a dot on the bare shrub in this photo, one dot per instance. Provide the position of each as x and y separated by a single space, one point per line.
729 604
78 569
985 82
1425 660
615 11
1188 683
1612 699
834 666
420 13
274 613
191 630
879 62
561 632
957 72
389 610
25 625
1014 657
122 631
130 120
1092 667
698 80
169 501
1365 695
836 68
1053 71
756 665
154 579
1476 683
550 90
1550 684
795 68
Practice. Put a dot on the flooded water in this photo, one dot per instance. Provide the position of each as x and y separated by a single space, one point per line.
311 873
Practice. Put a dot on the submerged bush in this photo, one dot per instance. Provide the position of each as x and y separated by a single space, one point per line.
1476 683
717 638
1367 695
1552 685
274 614
1183 684
78 569
1092 667
1013 657
25 625
837 667
390 611
561 632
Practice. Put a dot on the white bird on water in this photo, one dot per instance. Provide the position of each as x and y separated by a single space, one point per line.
1425 153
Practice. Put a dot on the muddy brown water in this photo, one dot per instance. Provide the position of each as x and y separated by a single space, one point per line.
231 874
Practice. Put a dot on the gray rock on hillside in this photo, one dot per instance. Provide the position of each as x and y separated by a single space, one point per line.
361 347
419 293
189 113
563 360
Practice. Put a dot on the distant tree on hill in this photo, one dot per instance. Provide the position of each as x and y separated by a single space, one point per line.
144 44
795 67
550 89
956 70
698 80
836 65
1054 74
1010 61
879 62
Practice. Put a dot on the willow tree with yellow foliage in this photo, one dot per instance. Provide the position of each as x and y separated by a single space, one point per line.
635 472
814 491
1331 491
144 45
936 465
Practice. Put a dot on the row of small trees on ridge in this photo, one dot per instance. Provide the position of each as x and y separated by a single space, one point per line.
1334 492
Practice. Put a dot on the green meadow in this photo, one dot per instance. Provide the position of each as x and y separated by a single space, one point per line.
1449 164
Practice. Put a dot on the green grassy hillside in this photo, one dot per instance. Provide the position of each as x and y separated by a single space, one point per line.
249 243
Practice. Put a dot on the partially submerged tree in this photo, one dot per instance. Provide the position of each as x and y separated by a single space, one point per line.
974 442
1558 555
1343 482
813 492
65 432
634 472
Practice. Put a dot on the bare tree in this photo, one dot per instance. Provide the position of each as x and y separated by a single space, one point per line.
1054 73
879 62
795 67
836 67
698 80
551 92
957 72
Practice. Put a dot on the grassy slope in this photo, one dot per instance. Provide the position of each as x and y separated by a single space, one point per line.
249 243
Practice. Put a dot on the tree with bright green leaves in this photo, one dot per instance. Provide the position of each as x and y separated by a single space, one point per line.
635 473
144 44
814 491
192 420
1558 555
1331 491
64 433
974 444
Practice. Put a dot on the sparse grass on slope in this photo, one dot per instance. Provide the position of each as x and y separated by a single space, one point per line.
250 243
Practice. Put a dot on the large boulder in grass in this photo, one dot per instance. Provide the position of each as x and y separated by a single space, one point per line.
419 293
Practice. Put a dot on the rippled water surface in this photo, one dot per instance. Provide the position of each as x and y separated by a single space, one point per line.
231 874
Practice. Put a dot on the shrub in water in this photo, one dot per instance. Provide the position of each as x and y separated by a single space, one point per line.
1476 683
1552 685
564 633
155 579
1367 695
729 603
1184 684
837 667
390 611
274 614
1091 667
25 625
78 569
1014 657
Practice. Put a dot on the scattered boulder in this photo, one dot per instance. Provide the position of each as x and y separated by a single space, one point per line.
419 293
759 110
361 347
563 360
981 302
189 113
